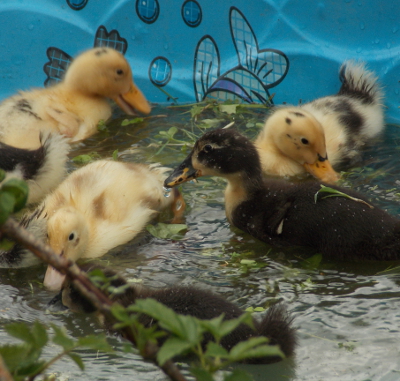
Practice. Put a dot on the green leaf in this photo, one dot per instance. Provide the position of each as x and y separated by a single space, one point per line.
213 325
313 262
12 355
166 231
174 346
7 202
335 193
254 347
32 367
115 155
40 334
101 125
127 122
201 374
77 359
2 175
20 331
6 244
215 350
229 325
229 109
82 159
238 375
196 110
60 338
19 189
98 343
183 326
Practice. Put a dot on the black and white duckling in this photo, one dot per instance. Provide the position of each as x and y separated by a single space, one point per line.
43 168
276 325
95 209
74 106
283 213
296 140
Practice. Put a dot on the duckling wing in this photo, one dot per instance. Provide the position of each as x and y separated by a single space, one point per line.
68 123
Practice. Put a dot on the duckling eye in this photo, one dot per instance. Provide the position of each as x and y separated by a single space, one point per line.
207 148
120 71
304 140
71 237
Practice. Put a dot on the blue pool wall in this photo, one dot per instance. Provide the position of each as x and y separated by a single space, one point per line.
264 51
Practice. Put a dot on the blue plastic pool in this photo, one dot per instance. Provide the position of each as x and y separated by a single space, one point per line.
285 50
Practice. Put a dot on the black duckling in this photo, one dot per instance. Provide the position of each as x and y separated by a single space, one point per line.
42 168
187 300
283 213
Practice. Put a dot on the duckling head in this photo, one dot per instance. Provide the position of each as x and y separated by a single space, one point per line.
222 152
298 135
68 236
106 73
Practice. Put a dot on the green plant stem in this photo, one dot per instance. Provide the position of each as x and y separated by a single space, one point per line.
85 286
51 362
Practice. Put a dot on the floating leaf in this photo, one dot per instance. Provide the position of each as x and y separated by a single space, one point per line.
167 231
127 122
82 159
101 125
335 193
229 109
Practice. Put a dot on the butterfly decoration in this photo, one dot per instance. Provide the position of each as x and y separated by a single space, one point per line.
257 70
59 61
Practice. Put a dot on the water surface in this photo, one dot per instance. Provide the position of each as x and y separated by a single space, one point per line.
347 314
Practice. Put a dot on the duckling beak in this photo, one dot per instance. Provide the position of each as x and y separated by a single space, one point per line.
53 280
185 172
133 100
322 170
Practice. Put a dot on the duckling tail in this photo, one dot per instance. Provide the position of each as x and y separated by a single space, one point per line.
360 83
277 326
52 168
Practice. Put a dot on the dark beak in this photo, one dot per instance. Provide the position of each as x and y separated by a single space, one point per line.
185 172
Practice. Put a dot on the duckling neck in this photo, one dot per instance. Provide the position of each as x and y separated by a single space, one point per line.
241 186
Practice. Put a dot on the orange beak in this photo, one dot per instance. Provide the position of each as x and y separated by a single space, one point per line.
133 100
323 171
53 280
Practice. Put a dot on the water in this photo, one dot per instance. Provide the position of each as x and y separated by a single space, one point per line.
347 314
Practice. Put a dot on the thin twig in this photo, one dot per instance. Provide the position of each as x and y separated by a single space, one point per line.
86 287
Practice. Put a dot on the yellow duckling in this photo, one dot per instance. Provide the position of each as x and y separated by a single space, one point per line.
100 206
296 140
74 106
